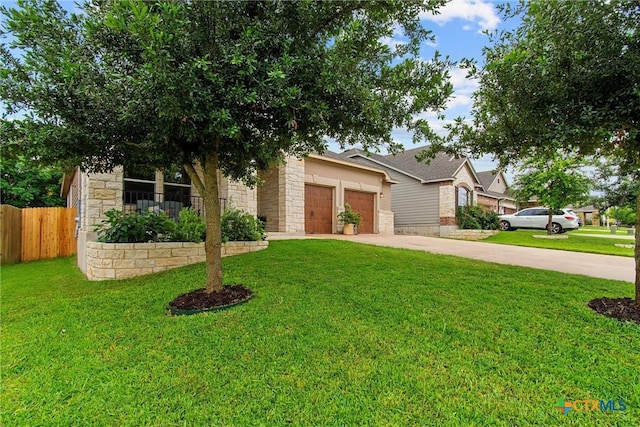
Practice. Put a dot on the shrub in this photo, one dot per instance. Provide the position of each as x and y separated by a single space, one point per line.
147 226
189 228
240 226
622 215
477 218
349 216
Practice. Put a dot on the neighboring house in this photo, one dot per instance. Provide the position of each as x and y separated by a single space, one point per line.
495 194
299 196
426 197
590 215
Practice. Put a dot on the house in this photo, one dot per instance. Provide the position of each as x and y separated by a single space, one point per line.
590 215
495 195
426 197
299 196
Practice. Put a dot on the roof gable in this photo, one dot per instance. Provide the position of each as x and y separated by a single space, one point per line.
441 168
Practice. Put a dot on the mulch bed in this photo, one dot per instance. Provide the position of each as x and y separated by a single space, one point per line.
200 300
623 309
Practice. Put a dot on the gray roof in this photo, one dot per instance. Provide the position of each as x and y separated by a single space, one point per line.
486 178
442 168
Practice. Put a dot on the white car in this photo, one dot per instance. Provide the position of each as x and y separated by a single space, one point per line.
538 217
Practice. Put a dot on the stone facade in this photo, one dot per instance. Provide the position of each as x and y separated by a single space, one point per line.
471 234
123 260
100 192
386 222
447 203
239 196
291 196
419 230
281 197
268 206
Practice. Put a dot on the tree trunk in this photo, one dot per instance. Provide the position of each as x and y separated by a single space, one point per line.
550 221
637 248
213 242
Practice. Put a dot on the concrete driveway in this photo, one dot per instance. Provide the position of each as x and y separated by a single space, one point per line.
602 266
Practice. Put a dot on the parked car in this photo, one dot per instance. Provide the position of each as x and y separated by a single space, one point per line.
538 217
580 223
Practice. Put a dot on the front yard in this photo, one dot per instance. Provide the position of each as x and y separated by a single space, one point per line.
337 334
597 244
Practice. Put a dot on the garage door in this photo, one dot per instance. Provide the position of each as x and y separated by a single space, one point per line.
363 204
318 209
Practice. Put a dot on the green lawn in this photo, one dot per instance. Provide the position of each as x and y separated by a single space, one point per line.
596 245
592 229
337 334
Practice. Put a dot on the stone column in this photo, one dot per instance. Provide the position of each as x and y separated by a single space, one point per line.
291 196
99 193
447 198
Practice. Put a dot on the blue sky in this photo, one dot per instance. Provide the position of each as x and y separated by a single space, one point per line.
459 30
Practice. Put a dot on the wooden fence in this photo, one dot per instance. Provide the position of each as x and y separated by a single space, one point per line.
42 232
10 235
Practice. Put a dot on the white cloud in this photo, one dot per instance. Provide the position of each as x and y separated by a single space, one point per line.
392 42
463 88
481 12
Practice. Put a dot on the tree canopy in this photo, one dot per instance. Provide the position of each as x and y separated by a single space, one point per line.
567 79
555 182
226 86
25 184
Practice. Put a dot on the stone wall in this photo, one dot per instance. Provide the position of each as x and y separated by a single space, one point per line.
470 234
488 202
291 196
268 198
100 192
386 222
419 230
123 260
447 203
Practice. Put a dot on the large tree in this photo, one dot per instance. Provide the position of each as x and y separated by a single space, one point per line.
555 182
217 86
26 184
566 79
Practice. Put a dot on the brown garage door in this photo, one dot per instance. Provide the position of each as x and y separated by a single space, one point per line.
318 209
363 204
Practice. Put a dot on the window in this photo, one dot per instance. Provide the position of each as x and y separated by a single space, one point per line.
177 185
463 197
526 212
139 184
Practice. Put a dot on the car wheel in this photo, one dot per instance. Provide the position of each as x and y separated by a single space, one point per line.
556 228
505 226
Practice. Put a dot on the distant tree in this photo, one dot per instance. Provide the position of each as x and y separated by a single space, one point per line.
555 182
615 187
25 184
565 80
229 86
622 215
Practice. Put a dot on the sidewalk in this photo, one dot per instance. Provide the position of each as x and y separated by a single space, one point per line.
594 265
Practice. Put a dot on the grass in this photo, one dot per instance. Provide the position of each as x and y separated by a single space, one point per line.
338 334
592 229
575 243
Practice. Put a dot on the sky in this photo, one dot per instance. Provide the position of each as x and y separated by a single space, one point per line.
458 29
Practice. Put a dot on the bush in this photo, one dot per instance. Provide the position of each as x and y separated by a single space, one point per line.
240 226
189 228
349 216
623 216
477 218
147 226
